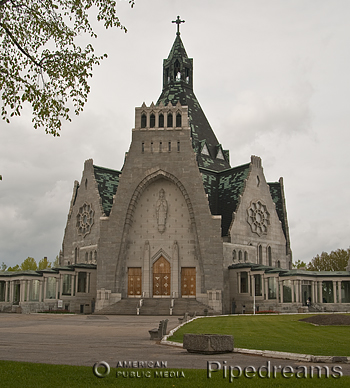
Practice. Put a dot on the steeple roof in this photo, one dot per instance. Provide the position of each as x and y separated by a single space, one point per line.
178 87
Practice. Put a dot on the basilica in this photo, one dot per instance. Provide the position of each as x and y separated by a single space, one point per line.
176 227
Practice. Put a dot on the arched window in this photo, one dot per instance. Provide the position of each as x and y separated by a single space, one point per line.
260 254
177 72
90 261
170 120
152 121
178 146
234 255
95 257
76 255
269 255
143 121
245 256
86 257
143 147
86 184
240 256
178 120
278 264
161 121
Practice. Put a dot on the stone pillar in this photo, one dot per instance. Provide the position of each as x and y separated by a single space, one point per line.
74 285
87 288
22 290
281 290
320 291
11 291
276 280
61 285
339 291
28 289
297 293
45 287
292 288
249 289
57 287
6 290
334 291
252 282
40 290
313 289
146 275
266 280
175 270
239 282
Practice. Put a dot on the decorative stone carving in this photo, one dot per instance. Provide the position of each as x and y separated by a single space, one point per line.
258 217
85 219
161 211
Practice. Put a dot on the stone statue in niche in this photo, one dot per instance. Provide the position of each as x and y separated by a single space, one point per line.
161 211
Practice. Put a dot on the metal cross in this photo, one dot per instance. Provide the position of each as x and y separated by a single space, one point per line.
178 21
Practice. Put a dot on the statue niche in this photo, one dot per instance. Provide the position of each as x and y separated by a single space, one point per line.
161 211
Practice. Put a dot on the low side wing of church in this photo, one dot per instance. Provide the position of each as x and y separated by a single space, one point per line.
177 229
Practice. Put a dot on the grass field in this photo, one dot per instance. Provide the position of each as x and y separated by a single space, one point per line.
29 375
283 333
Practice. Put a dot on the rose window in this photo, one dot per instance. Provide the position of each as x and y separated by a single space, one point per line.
258 217
85 219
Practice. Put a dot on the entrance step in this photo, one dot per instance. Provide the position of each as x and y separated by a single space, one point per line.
157 306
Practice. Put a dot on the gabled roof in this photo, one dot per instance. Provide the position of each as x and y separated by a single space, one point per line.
224 189
107 181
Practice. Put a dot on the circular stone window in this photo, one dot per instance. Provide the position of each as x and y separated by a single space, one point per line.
258 217
85 219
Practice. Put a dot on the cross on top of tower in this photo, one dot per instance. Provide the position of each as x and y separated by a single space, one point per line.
178 21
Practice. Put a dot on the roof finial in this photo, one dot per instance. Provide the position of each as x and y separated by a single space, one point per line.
178 22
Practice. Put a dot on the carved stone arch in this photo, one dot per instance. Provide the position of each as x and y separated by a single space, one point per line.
149 179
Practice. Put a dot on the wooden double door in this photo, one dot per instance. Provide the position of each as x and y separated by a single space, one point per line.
161 277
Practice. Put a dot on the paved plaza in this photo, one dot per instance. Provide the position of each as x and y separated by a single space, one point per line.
86 339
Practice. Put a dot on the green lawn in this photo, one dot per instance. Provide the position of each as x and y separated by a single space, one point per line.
283 333
29 375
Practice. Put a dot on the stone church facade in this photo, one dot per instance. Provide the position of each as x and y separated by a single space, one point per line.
176 222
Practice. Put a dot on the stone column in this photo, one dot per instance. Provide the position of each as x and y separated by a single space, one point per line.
45 287
239 282
252 282
175 271
334 291
22 289
61 285
40 290
339 291
57 287
292 289
6 290
266 280
281 290
146 275
249 289
313 289
87 288
11 291
276 281
297 293
74 284
320 291
28 289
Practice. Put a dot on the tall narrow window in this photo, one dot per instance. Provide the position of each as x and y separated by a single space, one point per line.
86 257
269 255
170 120
152 121
245 256
240 256
161 121
151 146
178 146
143 147
169 146
160 146
260 254
178 120
143 121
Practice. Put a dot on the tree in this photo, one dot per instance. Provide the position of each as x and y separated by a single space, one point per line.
44 263
29 264
3 266
41 60
299 264
335 261
56 262
15 268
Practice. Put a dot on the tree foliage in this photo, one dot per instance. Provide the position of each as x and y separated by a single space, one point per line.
41 60
44 263
334 261
29 264
299 264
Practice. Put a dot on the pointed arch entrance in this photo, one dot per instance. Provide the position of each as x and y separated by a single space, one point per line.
161 277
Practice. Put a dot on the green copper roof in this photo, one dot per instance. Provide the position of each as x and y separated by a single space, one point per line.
224 189
107 181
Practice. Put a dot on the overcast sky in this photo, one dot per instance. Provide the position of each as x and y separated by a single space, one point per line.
272 77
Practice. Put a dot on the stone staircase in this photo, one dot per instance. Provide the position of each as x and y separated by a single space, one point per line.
156 306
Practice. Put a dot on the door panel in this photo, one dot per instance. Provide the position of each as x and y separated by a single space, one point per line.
161 277
134 281
188 281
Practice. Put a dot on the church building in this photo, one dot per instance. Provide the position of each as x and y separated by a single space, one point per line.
177 227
